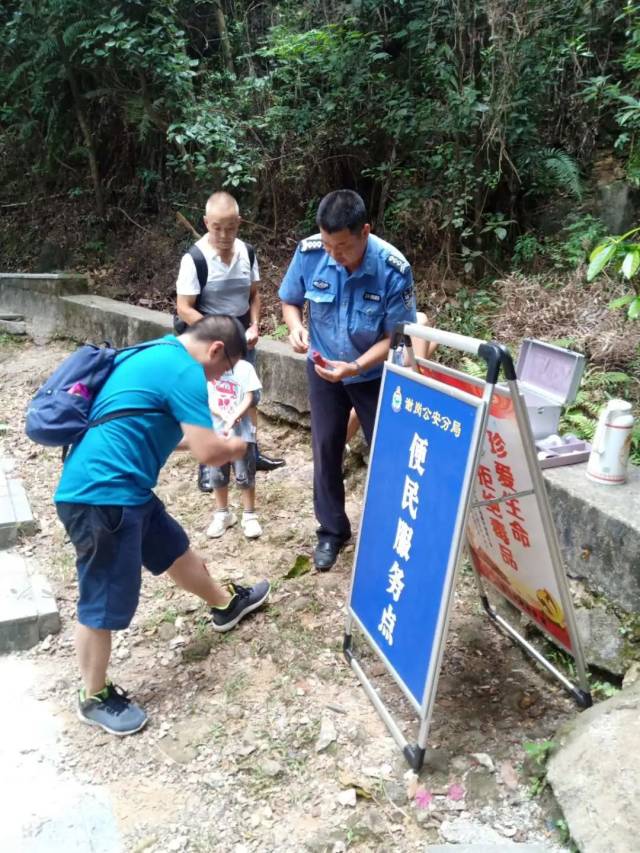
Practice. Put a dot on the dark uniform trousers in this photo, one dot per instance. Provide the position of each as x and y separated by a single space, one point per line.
331 403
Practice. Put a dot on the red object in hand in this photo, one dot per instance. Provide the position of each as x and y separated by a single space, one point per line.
318 359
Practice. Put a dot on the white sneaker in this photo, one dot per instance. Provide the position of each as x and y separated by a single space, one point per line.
251 526
219 523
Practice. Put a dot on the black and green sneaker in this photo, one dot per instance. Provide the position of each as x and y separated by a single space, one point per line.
112 710
244 600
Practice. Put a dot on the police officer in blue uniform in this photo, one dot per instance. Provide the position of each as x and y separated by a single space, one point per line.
358 287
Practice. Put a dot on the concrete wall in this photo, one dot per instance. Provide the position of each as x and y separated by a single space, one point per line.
599 531
36 296
598 526
59 306
96 318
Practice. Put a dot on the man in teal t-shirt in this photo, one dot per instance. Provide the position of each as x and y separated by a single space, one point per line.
116 523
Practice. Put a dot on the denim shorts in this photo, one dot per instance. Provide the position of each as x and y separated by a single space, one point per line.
244 470
112 544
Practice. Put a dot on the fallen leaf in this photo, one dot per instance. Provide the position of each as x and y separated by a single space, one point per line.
509 775
485 760
455 792
411 782
347 780
301 566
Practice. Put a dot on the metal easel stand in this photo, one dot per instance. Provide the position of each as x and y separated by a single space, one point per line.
413 754
582 697
493 355
581 693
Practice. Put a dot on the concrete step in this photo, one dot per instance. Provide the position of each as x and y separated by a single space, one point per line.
15 513
13 324
45 808
506 847
28 609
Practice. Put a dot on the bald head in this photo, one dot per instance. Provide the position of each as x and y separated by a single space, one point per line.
222 220
223 204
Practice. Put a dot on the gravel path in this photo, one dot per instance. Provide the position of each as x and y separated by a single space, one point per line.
262 740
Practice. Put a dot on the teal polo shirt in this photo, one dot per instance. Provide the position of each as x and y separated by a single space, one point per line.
117 463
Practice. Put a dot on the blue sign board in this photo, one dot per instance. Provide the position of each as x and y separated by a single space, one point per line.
415 491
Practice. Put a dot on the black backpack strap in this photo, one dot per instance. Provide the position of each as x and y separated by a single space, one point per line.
125 413
112 416
202 270
144 345
252 254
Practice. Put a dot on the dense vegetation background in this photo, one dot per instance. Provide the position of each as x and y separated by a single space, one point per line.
456 119
493 140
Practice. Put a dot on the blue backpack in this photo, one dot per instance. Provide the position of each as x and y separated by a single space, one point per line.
59 412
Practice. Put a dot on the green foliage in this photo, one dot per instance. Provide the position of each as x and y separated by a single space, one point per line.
280 332
551 169
469 313
567 251
564 835
623 254
616 94
538 754
597 387
526 250
576 241
452 120
539 751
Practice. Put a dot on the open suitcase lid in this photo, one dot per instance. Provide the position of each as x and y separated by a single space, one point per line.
551 371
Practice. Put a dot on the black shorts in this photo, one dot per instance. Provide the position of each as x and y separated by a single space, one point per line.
112 544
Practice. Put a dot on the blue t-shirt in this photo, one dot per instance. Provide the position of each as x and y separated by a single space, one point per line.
119 462
350 312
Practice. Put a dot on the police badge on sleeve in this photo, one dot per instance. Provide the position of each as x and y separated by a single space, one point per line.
398 264
408 297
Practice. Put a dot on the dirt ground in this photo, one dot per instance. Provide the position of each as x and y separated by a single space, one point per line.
262 739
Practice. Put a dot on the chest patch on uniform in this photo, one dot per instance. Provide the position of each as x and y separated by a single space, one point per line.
310 245
398 264
320 284
371 297
408 297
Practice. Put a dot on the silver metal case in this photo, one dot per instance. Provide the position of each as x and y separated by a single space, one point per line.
548 377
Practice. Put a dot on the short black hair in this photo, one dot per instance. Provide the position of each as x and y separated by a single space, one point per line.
221 327
341 209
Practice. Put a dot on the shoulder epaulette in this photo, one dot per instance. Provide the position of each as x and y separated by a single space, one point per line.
311 244
398 264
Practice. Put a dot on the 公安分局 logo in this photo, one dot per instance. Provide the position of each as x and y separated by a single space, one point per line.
396 400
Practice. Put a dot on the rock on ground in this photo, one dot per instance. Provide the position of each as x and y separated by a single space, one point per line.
594 775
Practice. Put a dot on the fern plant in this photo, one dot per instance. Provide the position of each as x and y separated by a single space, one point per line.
551 169
581 416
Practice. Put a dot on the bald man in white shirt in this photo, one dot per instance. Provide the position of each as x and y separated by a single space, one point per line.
230 286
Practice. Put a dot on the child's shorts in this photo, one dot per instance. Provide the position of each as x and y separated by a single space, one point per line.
244 470
112 544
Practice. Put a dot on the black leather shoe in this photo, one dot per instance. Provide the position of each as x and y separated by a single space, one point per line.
205 483
265 463
325 554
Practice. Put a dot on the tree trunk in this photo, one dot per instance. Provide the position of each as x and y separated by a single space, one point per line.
225 47
86 133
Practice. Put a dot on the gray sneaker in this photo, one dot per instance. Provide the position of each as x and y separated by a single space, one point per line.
244 600
112 710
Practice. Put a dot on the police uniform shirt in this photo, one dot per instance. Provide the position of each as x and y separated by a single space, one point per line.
350 312
228 287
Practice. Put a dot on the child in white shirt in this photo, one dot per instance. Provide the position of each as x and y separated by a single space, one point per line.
230 399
